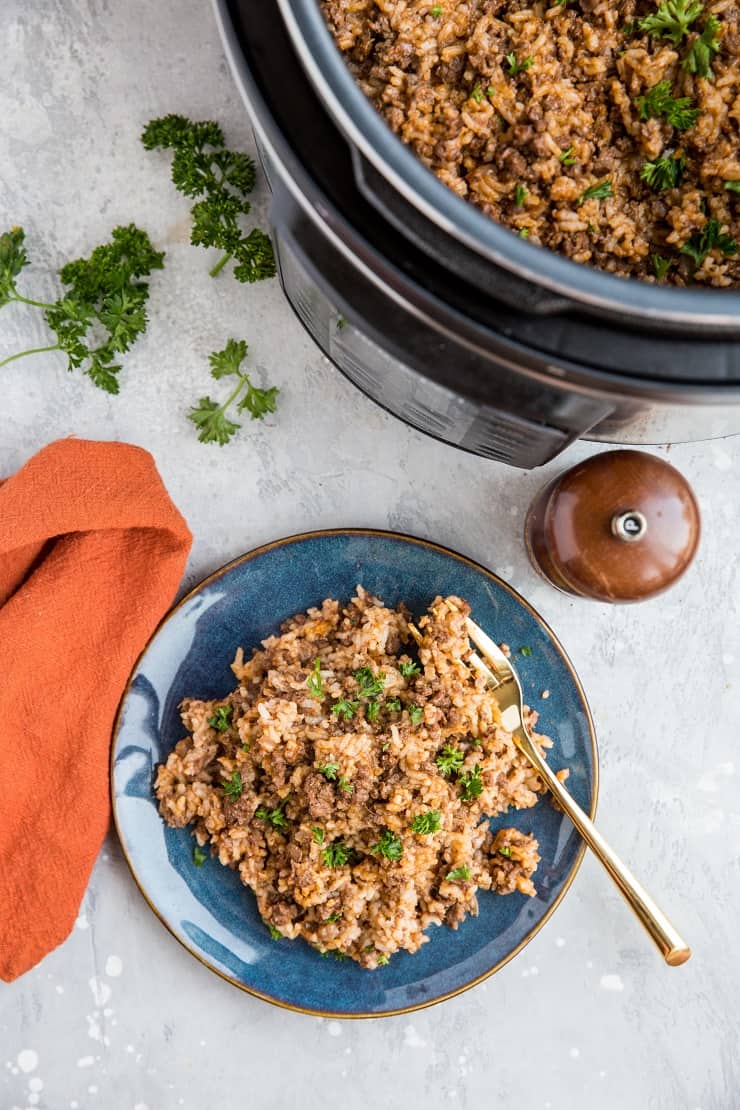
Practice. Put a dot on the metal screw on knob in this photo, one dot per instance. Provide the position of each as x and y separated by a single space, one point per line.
630 526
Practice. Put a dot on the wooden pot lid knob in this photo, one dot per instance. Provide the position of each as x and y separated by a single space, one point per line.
621 526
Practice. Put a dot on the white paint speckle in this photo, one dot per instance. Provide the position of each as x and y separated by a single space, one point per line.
722 460
33 1099
107 1012
202 1044
129 1048
85 1061
14 1070
560 942
93 1028
92 1089
35 1084
611 983
101 992
28 1060
59 988
141 1106
412 1039
589 964
113 966
602 1075
74 1104
728 659
334 1029
82 922
574 1053
534 970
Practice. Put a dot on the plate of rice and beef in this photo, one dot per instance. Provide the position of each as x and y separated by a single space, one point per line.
329 812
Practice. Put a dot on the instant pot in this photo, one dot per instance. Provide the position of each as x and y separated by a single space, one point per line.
445 318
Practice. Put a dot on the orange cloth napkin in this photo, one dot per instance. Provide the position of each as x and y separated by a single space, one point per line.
91 553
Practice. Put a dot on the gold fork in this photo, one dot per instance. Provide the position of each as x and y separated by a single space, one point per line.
503 679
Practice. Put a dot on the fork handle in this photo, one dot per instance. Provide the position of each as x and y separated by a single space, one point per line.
672 946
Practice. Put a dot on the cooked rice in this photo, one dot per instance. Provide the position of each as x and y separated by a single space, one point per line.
379 775
438 73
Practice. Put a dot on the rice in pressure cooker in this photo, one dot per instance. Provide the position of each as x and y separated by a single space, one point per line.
349 780
607 130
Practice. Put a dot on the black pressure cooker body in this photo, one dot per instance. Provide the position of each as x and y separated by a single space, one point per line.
443 317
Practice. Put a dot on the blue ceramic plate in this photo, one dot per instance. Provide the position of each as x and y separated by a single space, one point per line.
207 909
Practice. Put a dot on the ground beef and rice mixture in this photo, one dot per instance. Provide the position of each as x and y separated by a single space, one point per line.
350 777
546 115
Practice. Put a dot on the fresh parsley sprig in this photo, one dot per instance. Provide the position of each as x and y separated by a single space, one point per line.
672 19
660 265
210 417
204 168
314 681
389 846
599 191
369 684
275 817
664 173
104 308
426 823
450 760
698 58
471 783
659 101
516 66
234 788
711 237
221 719
458 874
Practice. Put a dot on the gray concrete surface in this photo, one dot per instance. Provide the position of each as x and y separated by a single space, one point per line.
586 1017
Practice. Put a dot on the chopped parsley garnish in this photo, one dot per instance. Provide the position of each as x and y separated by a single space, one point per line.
336 855
318 834
477 95
562 3
661 265
505 850
659 101
472 783
525 650
393 705
221 719
409 669
518 67
567 157
210 417
630 28
733 186
234 787
199 856
275 817
372 709
524 233
328 770
383 959
664 173
672 19
426 823
370 684
344 708
710 238
520 194
415 713
345 785
332 918
389 846
449 760
436 11
458 874
274 933
314 681
698 59
596 192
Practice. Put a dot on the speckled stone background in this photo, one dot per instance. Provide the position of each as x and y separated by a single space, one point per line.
587 1016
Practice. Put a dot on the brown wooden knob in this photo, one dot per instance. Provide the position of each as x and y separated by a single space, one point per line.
622 526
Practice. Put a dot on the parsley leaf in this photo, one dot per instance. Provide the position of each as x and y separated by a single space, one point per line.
596 192
733 186
660 265
372 709
409 669
710 238
389 846
383 959
105 299
328 770
274 933
393 705
516 67
659 101
477 95
332 918
318 834
505 851
210 417
199 856
369 683
426 823
525 650
471 783
275 817
234 787
664 173
450 760
698 59
415 713
520 194
344 708
458 874
314 682
221 719
672 19
567 157
336 855
204 168
436 11
345 785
